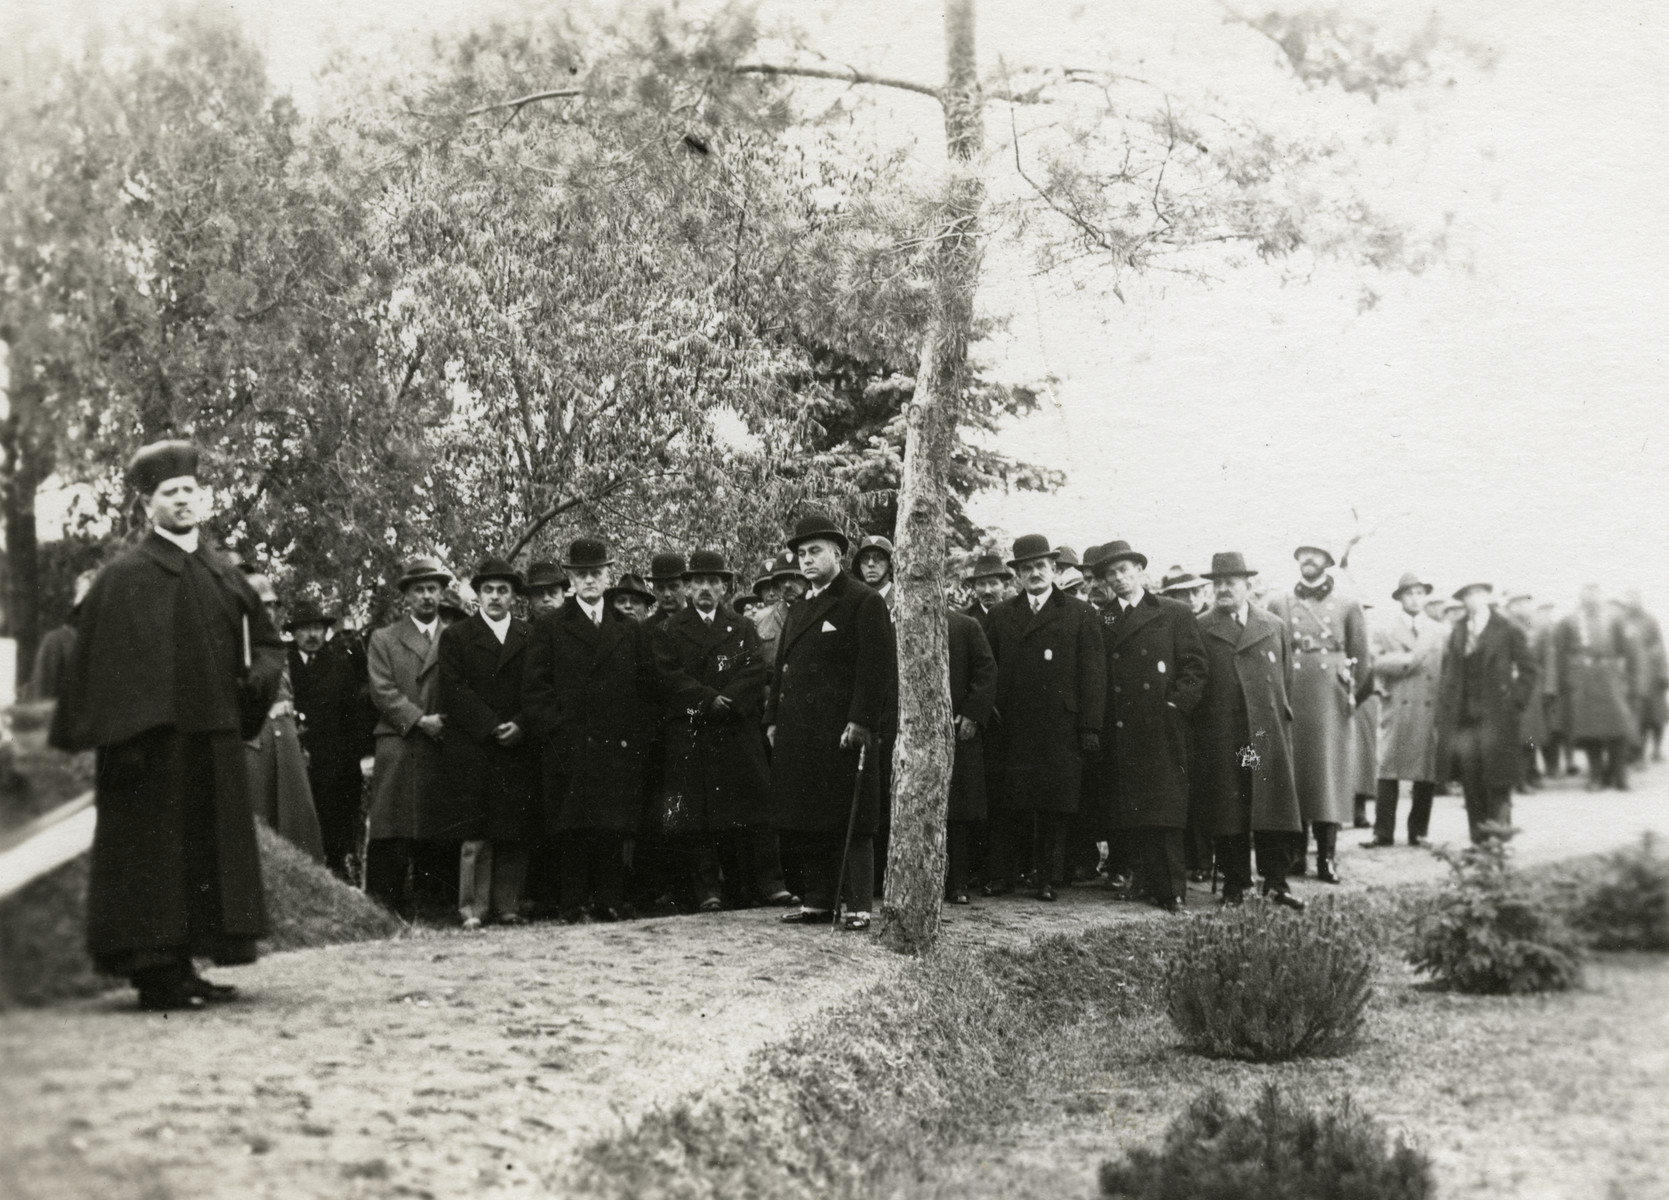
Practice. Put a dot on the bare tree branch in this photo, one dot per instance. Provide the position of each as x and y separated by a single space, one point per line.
841 75
519 103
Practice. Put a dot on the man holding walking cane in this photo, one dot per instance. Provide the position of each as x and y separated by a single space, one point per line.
833 686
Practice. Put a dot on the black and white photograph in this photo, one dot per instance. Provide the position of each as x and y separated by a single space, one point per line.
712 599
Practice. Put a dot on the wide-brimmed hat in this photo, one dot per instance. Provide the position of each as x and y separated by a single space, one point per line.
631 585
1109 553
546 575
497 568
1229 562
1029 546
1178 580
875 543
666 568
818 525
1410 580
1319 547
1070 578
1066 556
707 562
452 602
743 601
1460 592
587 552
307 612
152 464
989 566
421 568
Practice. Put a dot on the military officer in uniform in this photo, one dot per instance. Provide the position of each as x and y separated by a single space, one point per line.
175 663
1051 694
1332 664
1408 666
873 565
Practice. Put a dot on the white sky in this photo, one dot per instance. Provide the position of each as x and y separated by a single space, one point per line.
1497 417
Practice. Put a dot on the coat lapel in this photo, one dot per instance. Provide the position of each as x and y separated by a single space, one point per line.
1128 623
1045 616
812 613
1259 625
514 639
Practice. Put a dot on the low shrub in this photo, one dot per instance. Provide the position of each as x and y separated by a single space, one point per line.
1625 906
1277 1150
1491 931
1262 984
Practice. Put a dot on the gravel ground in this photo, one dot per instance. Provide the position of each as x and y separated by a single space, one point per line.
448 1063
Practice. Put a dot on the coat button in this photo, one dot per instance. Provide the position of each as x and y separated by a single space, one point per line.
1118 724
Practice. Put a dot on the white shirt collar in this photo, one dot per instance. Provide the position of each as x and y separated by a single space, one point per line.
813 593
500 627
1037 602
709 617
1477 627
186 541
1244 613
1134 600
428 629
594 611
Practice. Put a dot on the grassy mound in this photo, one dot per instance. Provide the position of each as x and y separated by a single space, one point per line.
43 955
875 1090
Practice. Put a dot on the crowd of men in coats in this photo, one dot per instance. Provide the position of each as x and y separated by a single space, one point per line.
679 742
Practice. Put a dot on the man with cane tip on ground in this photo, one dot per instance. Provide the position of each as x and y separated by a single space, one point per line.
833 687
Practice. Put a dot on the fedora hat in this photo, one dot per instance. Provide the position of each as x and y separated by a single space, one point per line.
707 562
159 461
1229 562
421 568
744 602
1460 592
1178 580
587 552
1029 546
666 568
818 525
631 585
1066 556
1116 551
989 566
307 612
876 543
1319 548
1409 580
1070 578
545 575
497 568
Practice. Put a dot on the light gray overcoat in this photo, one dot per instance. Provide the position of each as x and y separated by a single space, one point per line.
1408 666
404 668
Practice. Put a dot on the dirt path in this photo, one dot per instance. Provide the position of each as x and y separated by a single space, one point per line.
446 1064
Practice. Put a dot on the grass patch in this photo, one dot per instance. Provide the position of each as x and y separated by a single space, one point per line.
874 1091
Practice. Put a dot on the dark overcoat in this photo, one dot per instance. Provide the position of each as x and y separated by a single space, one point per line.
836 663
1595 677
1051 689
1504 672
981 614
716 776
404 670
329 698
1245 718
973 693
157 685
593 695
1155 673
493 790
52 659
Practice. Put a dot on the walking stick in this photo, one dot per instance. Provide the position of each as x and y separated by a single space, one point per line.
846 847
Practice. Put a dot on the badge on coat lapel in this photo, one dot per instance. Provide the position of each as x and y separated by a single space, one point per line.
828 627
1048 655
723 662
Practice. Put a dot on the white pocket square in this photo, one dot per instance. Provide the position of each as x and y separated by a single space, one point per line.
828 628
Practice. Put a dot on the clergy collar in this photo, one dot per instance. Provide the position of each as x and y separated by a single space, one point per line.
186 541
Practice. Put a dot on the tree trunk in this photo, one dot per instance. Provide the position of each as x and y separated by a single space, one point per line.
20 476
923 757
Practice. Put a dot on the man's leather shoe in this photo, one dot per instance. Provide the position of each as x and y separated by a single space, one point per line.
1325 872
1045 892
212 993
855 922
960 898
1170 904
997 887
783 899
711 904
1419 842
1377 844
807 916
1285 900
171 997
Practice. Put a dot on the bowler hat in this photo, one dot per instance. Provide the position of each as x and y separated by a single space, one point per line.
1115 551
1318 547
632 585
666 568
817 525
307 612
587 552
421 568
151 465
1178 580
497 568
452 604
546 575
1029 546
707 562
1460 592
989 566
876 543
1409 580
1226 563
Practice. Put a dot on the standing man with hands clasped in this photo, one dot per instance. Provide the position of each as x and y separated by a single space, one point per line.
834 683
175 663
